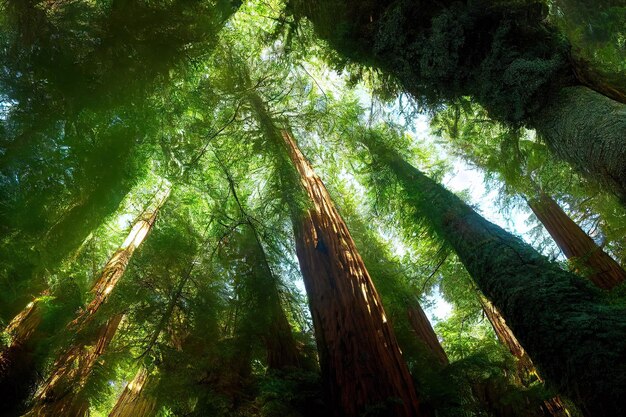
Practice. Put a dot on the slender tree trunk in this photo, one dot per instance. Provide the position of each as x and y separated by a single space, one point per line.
588 130
508 339
134 402
552 407
425 332
282 351
359 354
60 394
574 334
576 245
114 269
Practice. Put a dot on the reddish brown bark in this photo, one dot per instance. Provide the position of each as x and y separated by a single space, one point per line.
57 397
425 332
359 355
114 269
20 329
576 245
526 369
134 402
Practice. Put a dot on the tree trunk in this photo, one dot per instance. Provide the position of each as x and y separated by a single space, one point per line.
425 332
134 402
282 351
19 331
59 394
114 269
525 367
508 339
359 355
576 245
599 82
573 333
588 130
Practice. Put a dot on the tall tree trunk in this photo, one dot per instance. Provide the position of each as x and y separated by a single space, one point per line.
114 269
59 395
359 354
425 332
551 407
588 130
576 245
573 333
134 402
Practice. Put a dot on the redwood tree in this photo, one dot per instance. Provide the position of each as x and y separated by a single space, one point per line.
568 327
360 358
134 401
60 393
576 245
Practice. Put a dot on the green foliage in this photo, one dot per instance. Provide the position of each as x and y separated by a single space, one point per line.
104 103
501 54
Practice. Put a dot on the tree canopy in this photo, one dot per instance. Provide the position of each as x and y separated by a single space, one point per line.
226 208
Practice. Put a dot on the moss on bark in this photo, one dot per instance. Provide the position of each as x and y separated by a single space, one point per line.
570 329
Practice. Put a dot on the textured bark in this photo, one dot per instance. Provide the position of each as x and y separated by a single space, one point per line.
359 355
425 332
576 245
17 359
551 407
134 402
20 329
588 130
58 396
114 269
507 338
572 332
598 82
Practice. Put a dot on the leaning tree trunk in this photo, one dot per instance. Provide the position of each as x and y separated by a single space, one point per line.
24 325
572 332
588 130
134 402
525 367
425 332
576 245
359 355
60 394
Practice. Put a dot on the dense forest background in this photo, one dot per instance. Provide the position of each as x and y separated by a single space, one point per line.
312 208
